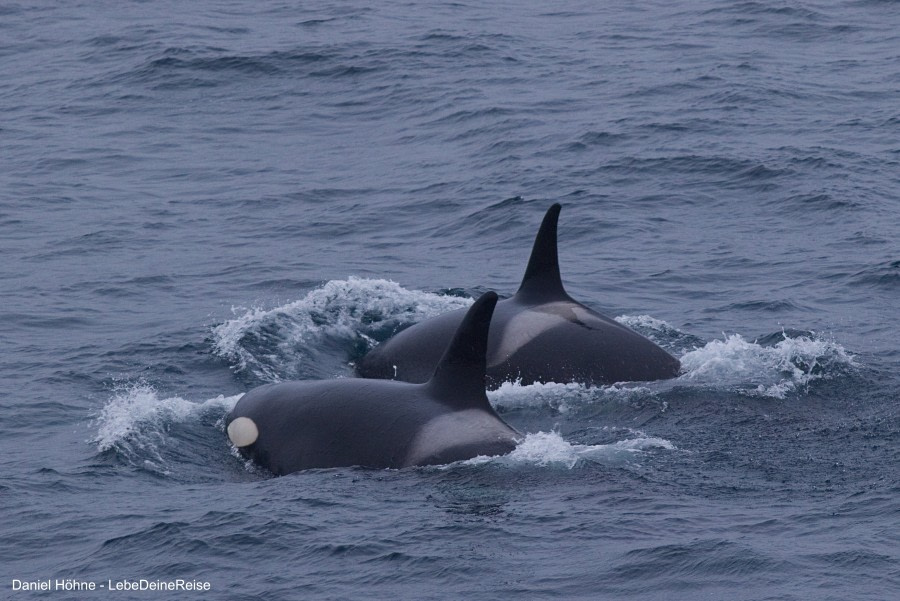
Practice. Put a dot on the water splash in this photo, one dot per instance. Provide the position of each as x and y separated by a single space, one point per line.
546 449
757 368
562 397
762 367
770 371
661 332
280 343
135 421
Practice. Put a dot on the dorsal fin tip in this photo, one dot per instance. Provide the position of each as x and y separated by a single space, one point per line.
542 278
461 371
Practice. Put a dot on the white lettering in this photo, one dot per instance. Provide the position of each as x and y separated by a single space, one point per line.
25 585
70 584
142 584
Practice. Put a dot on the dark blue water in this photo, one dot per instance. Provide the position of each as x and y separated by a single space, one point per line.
198 198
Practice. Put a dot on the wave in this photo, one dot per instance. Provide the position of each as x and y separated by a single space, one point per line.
546 449
293 341
562 397
281 343
665 335
138 424
759 369
735 171
135 423
884 275
187 68
771 366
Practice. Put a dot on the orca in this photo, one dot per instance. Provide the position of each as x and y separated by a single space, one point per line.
540 334
291 426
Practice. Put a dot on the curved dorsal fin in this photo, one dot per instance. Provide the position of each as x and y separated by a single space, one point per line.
459 376
542 279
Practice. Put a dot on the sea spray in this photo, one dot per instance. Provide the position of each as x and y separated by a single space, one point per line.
770 371
135 421
547 449
271 343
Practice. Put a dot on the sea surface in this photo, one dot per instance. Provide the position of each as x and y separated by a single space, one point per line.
197 198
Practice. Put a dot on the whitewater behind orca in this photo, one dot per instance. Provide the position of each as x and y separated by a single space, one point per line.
291 426
539 335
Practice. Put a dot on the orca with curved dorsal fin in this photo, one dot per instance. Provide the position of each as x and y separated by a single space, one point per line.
291 426
539 335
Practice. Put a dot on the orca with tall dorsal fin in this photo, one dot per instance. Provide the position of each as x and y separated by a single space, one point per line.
539 335
292 426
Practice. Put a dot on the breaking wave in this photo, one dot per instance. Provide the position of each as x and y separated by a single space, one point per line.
761 369
551 449
136 421
281 343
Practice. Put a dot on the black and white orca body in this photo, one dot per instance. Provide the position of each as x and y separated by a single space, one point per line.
292 426
539 335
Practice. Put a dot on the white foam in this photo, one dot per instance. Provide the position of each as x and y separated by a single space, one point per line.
136 416
661 332
770 371
559 396
343 308
646 323
550 449
514 395
734 363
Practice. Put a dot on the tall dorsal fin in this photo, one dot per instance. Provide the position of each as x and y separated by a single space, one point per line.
459 376
542 279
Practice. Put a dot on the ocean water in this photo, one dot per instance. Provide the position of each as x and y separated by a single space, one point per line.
197 198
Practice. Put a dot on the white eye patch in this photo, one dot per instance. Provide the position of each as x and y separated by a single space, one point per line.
243 432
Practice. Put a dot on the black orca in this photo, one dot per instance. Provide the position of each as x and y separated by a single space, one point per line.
292 426
539 335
